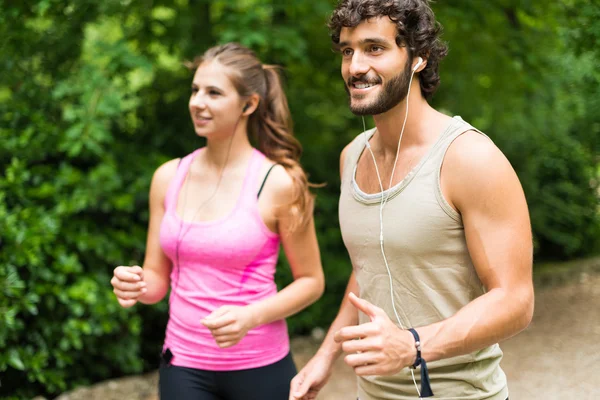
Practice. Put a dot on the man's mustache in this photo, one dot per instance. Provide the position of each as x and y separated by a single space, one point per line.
362 79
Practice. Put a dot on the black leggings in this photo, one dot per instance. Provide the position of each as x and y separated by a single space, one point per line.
271 382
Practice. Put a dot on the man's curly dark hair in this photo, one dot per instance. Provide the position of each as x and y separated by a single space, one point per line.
416 27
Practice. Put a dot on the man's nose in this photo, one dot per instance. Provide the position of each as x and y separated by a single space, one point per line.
358 64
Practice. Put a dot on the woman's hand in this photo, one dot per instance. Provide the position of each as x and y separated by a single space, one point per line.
229 324
128 285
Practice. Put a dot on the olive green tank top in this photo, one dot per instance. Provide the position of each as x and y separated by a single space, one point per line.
433 275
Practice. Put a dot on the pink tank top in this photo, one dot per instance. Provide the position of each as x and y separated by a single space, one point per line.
228 261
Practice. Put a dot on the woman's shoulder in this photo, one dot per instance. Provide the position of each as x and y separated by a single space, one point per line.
162 178
279 181
166 171
279 178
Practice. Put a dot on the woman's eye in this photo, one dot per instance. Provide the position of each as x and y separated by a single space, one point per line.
214 93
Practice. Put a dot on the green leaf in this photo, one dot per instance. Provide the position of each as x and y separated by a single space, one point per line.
14 360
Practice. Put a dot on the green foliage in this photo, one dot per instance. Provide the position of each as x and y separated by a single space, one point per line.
67 213
532 85
93 97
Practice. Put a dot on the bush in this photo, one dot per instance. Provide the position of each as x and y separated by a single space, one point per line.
70 210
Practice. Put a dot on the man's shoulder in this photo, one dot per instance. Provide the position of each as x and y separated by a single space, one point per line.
474 167
473 149
358 142
362 136
354 147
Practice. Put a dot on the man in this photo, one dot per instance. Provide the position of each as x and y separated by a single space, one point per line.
447 249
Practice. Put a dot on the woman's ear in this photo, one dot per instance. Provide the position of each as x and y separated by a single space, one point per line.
251 105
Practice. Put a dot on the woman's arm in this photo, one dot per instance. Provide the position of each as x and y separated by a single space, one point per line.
149 284
302 251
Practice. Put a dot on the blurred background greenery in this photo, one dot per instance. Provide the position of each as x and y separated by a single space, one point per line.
93 97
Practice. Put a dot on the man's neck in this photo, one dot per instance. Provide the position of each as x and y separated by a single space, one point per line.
389 124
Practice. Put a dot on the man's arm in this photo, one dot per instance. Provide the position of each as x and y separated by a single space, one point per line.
481 185
347 316
311 379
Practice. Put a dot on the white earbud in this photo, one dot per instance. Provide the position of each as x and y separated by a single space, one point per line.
418 64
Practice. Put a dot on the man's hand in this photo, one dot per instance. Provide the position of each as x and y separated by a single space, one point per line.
311 379
383 348
229 324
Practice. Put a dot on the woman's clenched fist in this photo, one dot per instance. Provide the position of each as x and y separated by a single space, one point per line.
128 284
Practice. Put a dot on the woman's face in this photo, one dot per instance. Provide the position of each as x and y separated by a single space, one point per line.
215 105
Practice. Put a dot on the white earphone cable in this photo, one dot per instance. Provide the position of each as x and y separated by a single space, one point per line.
384 200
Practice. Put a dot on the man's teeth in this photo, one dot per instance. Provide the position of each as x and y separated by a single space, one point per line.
363 85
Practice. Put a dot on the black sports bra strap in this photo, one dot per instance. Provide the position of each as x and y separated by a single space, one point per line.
264 180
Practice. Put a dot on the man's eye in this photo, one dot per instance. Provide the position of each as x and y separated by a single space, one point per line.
347 52
376 49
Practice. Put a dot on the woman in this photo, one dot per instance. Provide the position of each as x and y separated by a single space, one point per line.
217 218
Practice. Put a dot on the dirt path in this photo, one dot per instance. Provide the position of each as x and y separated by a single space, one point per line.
557 357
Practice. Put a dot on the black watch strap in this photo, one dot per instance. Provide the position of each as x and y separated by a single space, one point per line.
425 383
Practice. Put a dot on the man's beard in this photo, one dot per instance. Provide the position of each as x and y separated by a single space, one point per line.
392 93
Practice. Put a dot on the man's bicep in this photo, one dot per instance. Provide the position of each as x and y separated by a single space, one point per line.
500 245
496 219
